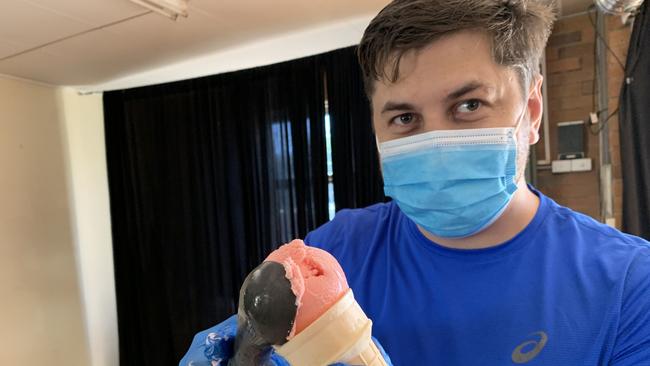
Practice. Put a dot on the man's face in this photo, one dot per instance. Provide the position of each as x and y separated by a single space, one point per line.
455 84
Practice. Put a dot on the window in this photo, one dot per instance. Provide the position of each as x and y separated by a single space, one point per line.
330 171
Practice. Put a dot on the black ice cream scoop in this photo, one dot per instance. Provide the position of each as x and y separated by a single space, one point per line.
266 314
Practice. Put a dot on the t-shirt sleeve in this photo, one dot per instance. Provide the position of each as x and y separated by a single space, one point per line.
327 235
632 347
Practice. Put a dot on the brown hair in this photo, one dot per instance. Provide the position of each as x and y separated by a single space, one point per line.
518 29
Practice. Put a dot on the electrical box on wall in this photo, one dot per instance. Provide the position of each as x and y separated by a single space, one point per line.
561 166
581 165
571 165
571 148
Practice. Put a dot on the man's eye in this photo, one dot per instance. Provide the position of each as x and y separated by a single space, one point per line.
468 106
403 119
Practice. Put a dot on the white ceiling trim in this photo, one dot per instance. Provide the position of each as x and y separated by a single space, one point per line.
259 53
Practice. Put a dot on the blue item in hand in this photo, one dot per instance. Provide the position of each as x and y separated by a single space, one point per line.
214 347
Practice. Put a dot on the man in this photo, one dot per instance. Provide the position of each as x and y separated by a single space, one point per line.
468 265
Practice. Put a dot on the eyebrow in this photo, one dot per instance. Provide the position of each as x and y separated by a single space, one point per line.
466 89
456 94
396 106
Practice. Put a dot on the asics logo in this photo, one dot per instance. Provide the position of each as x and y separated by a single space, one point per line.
524 353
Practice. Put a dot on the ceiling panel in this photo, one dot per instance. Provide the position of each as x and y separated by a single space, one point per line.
29 25
164 41
267 17
9 48
64 64
95 12
36 65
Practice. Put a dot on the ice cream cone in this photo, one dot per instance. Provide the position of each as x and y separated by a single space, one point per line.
370 356
341 334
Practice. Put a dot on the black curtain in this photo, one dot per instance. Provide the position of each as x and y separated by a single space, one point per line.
357 177
635 129
206 177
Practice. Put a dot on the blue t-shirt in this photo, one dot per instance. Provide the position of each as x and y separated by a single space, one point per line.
566 291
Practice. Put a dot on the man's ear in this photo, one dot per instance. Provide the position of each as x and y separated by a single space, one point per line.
535 109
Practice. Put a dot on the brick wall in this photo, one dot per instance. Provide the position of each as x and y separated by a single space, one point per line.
570 82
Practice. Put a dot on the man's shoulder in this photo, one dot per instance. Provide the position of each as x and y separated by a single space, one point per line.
353 223
574 224
594 243
374 213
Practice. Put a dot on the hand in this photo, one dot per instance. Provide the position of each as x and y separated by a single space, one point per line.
214 347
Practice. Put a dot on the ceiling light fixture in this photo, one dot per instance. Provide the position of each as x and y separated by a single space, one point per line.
169 8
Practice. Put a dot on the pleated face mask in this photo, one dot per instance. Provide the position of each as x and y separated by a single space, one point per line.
453 183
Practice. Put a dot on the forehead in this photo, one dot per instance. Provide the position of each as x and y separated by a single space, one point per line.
443 66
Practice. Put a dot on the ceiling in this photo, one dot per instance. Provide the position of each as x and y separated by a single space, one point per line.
90 42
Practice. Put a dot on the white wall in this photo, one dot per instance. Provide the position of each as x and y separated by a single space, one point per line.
41 314
83 129
57 290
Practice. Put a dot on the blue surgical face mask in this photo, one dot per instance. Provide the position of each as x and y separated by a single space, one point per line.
452 183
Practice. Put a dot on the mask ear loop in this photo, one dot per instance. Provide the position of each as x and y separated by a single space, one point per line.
516 132
520 119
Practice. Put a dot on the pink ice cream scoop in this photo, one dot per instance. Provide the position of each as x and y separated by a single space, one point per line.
317 280
298 301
